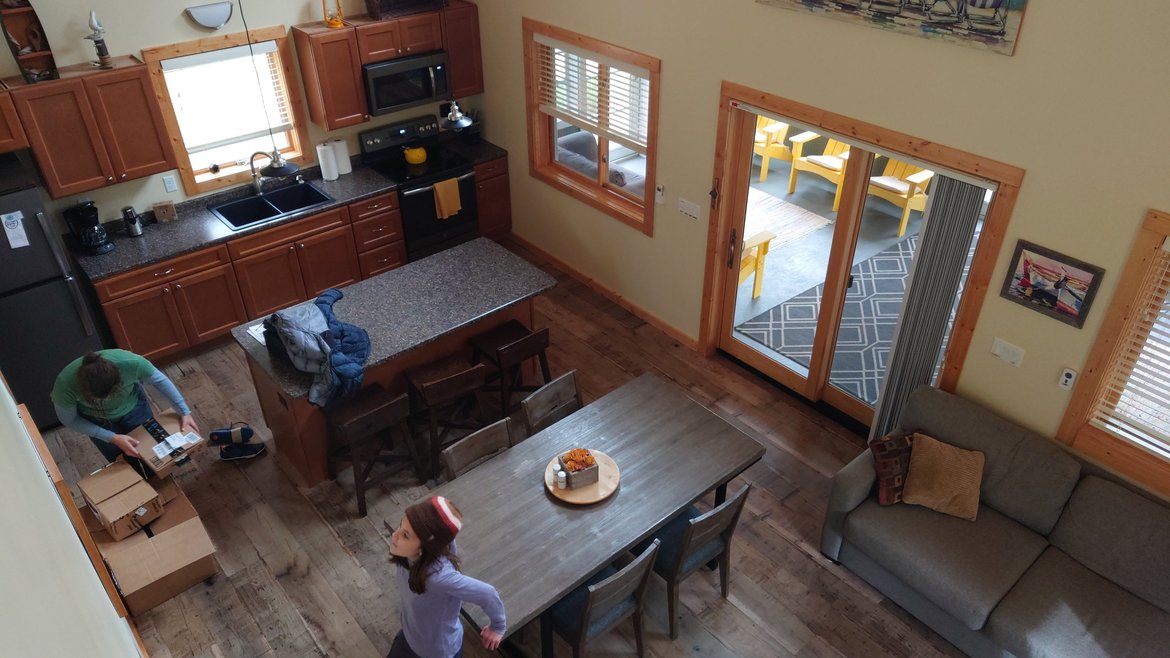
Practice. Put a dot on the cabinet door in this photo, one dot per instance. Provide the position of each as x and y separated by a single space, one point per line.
421 33
495 206
461 39
332 72
64 136
328 260
378 42
270 280
209 303
131 122
147 322
382 259
11 133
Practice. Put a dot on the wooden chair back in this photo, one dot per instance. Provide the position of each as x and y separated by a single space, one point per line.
899 169
477 447
517 352
719 522
552 402
628 583
443 391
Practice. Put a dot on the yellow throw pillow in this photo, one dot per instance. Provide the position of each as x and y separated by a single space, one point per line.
943 478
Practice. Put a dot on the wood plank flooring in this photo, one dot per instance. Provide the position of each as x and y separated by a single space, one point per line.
300 575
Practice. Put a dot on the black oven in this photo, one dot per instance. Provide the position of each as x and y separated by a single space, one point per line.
423 231
400 83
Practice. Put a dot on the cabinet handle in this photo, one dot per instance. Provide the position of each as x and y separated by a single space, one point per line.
109 179
178 286
123 176
379 229
301 245
167 290
165 272
384 260
374 206
291 247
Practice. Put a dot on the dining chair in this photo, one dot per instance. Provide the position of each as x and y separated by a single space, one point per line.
601 603
691 540
551 402
477 447
506 348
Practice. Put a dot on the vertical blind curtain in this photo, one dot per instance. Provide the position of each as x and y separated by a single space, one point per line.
226 96
1135 403
949 224
599 94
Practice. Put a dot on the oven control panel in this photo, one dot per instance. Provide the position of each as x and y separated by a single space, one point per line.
396 134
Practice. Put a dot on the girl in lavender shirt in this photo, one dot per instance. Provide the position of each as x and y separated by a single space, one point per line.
433 589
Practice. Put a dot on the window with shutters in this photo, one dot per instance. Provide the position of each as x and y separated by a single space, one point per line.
223 105
592 115
1120 412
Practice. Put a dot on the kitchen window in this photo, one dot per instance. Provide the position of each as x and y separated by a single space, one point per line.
222 103
1119 411
592 120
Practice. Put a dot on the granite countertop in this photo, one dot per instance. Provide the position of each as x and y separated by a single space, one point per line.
417 303
196 228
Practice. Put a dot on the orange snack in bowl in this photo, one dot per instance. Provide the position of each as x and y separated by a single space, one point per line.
578 459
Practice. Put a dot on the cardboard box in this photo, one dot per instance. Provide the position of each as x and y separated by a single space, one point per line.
174 554
120 499
166 487
165 465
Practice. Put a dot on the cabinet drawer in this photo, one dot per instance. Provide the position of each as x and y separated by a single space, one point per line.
373 206
377 230
382 259
491 169
288 232
163 272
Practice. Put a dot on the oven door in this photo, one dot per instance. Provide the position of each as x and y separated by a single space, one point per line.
402 83
424 232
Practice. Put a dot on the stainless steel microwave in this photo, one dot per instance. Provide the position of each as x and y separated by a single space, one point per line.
401 83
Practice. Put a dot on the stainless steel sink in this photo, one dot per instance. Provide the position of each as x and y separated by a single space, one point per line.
270 206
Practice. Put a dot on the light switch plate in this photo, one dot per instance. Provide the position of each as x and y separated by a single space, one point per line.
169 183
688 208
1013 355
659 194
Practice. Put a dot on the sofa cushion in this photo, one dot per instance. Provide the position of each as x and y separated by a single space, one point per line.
1026 476
944 478
891 460
1062 609
963 567
1121 535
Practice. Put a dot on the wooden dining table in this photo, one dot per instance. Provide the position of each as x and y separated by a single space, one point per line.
535 548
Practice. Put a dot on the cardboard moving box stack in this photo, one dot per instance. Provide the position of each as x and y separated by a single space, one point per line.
120 499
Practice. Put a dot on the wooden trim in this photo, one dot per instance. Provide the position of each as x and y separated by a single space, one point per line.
615 297
651 64
1143 468
742 131
153 57
66 497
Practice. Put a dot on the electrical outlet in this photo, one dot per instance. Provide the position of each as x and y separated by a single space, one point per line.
169 183
688 208
1013 355
659 194
1068 377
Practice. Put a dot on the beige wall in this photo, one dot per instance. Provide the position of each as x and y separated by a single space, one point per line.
1080 107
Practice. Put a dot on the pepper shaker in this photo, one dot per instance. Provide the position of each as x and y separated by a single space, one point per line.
562 480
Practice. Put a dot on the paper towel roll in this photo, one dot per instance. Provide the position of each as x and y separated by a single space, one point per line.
341 155
327 162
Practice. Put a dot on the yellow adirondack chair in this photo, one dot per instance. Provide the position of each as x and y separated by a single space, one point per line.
903 185
829 165
755 252
770 144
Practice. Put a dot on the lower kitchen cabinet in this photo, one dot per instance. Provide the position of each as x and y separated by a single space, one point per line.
328 260
147 322
382 259
209 304
493 196
283 275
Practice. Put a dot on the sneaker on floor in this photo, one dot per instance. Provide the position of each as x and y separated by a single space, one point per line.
240 451
230 435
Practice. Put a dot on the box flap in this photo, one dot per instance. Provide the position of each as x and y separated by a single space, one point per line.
108 481
166 487
126 502
177 511
139 561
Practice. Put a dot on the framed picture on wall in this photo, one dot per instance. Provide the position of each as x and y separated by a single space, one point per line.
1051 283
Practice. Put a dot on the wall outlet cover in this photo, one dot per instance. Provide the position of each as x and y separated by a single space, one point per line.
165 211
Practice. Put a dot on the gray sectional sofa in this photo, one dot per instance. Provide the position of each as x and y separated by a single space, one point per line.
1062 560
578 151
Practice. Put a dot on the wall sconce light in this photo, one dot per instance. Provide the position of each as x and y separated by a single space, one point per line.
212 16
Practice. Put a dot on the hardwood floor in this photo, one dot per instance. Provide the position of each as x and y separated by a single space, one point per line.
301 576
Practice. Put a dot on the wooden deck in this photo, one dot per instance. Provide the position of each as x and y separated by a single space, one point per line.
301 576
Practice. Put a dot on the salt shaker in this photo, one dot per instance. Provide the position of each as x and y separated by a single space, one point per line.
562 479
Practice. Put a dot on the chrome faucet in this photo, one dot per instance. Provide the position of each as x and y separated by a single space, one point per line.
276 168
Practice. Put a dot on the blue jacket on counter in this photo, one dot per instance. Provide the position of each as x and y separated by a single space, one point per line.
312 338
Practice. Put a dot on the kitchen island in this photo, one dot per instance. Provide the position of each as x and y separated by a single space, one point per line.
414 314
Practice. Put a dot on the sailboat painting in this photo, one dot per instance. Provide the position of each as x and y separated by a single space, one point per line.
1052 283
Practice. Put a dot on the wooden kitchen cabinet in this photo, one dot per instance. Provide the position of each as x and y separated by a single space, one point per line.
147 322
328 260
420 33
11 133
97 129
378 234
331 69
381 40
270 280
382 259
493 196
209 304
461 41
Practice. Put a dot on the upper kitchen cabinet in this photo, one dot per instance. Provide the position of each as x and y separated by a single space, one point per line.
331 69
11 133
381 40
461 39
94 129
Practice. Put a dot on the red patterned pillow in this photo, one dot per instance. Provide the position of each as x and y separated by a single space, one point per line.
891 461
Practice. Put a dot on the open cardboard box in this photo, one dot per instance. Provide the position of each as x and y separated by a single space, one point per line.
173 554
163 466
120 499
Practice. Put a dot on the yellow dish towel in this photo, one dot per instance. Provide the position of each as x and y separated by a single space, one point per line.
447 198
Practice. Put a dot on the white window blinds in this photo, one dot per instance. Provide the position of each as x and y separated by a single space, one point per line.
228 96
604 96
1135 400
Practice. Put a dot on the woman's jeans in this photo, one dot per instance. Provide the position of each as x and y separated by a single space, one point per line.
123 425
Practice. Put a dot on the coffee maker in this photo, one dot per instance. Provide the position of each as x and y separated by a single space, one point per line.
87 228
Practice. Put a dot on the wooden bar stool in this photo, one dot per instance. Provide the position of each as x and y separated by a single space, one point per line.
361 433
445 391
506 348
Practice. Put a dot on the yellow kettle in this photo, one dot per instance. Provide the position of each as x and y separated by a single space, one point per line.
415 155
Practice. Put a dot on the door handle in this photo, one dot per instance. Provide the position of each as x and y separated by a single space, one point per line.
428 188
731 250
79 304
